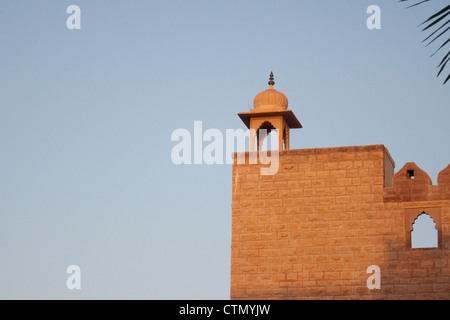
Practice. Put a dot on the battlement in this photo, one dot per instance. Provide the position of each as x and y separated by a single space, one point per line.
413 184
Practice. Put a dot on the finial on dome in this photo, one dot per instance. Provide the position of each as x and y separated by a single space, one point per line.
271 82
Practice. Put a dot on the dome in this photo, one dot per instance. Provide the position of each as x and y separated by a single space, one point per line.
270 98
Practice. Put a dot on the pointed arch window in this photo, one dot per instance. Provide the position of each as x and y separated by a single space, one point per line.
264 132
423 228
424 233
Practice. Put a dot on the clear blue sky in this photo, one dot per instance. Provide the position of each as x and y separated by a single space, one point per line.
86 118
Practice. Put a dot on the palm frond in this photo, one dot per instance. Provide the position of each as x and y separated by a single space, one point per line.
435 32
438 20
448 78
448 40
443 65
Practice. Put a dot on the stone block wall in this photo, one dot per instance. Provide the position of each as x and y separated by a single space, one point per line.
312 230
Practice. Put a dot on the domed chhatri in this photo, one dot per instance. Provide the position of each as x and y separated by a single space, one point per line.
270 112
270 98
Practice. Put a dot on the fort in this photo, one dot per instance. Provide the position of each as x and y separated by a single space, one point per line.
311 230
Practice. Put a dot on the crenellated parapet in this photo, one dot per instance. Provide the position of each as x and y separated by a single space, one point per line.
411 183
